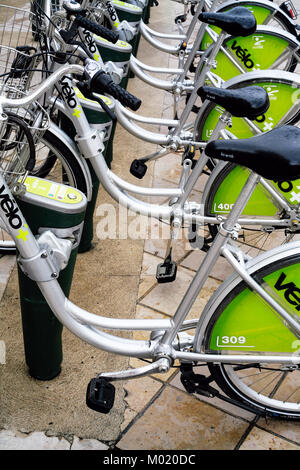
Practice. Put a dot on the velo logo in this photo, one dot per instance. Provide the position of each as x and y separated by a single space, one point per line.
111 11
68 93
10 209
69 96
242 55
90 41
291 291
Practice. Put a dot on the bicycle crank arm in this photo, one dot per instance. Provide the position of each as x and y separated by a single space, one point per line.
162 365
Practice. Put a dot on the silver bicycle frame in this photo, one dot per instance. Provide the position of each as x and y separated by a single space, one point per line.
89 144
86 325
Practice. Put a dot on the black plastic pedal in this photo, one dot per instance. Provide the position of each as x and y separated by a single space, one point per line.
166 272
192 68
195 109
181 18
138 169
100 395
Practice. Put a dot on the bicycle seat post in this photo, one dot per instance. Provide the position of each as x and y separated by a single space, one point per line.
200 82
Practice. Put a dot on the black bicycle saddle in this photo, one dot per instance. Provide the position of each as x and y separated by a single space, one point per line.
275 155
238 21
249 102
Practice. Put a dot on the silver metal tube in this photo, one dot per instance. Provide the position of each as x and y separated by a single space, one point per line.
125 118
150 68
166 192
161 35
120 109
236 358
193 52
152 81
83 316
210 259
202 161
232 60
294 324
158 44
48 83
280 200
57 301
200 82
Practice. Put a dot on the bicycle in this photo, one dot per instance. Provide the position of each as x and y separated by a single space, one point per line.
227 340
266 48
75 167
265 12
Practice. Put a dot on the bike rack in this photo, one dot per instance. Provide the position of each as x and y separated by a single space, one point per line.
139 68
148 34
126 119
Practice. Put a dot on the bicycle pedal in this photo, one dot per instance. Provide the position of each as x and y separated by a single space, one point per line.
100 395
138 169
181 18
166 272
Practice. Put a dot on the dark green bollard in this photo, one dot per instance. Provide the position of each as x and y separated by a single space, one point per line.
99 120
118 53
133 15
146 12
42 332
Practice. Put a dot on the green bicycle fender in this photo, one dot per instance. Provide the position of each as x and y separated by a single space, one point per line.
282 97
249 324
254 52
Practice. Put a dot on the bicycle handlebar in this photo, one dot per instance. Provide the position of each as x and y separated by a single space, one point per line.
48 83
98 29
101 82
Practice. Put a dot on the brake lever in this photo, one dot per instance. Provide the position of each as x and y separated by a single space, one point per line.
91 96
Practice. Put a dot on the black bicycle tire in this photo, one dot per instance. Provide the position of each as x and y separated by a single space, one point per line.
218 371
73 165
67 156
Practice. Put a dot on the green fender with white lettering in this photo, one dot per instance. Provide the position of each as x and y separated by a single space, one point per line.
226 188
261 12
245 322
259 51
236 319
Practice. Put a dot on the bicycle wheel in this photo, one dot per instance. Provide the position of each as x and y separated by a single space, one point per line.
226 182
57 162
223 186
267 48
266 13
242 323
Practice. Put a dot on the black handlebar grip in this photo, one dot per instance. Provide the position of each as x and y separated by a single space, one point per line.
98 29
102 83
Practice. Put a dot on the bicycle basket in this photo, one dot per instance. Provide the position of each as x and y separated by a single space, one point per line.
15 26
17 47
19 134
